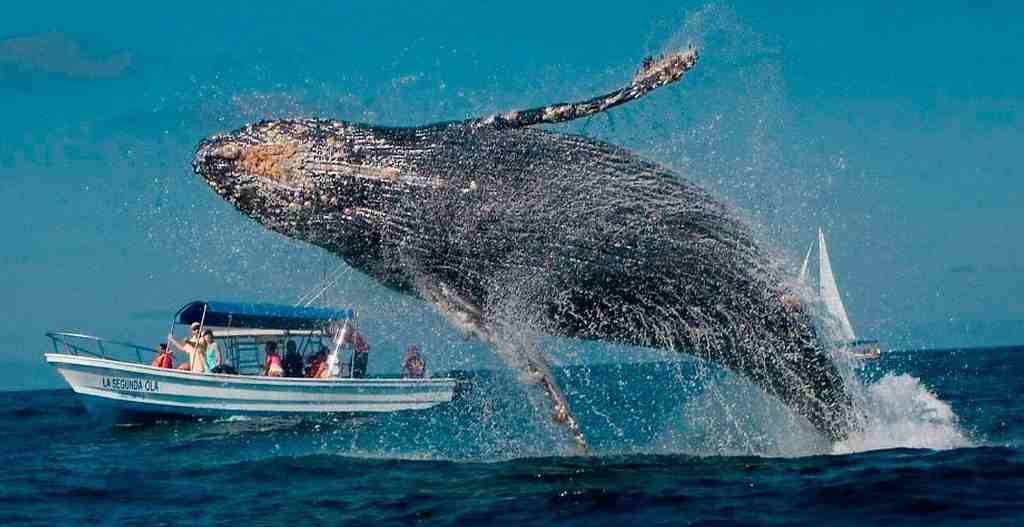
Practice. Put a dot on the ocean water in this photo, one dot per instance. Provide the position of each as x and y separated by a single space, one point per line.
674 443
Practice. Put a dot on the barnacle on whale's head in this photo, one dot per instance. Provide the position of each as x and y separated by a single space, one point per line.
258 152
264 170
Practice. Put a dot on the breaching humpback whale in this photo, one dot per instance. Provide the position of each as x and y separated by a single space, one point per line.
494 220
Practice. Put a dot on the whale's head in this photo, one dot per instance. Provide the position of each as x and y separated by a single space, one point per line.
313 180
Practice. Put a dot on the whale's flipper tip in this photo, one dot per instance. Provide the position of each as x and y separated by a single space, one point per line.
653 74
667 69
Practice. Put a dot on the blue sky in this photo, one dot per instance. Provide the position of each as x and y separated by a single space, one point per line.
894 127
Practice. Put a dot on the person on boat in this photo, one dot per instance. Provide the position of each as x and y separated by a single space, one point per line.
193 339
341 335
196 353
413 365
163 359
272 364
214 356
317 368
334 366
292 362
360 356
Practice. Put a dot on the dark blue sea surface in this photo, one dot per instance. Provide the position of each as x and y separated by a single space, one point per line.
673 443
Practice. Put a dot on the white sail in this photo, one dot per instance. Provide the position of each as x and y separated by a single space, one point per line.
830 292
802 279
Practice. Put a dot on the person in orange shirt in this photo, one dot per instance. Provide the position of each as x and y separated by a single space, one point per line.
163 359
317 368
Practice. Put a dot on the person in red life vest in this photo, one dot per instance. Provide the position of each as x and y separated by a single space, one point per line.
272 365
413 366
317 368
163 359
360 355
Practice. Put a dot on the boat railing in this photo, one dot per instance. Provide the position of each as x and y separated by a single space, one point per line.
81 344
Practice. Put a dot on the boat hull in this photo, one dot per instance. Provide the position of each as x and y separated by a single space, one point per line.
134 390
861 350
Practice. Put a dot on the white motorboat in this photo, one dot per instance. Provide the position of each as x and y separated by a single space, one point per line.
135 389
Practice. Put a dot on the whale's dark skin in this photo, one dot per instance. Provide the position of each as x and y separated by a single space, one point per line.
494 221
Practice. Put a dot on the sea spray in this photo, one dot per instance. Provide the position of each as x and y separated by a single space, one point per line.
901 412
730 416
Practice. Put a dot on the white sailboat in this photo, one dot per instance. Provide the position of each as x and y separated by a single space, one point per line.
828 295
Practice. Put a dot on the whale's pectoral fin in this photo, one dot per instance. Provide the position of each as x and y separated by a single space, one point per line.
523 357
539 373
653 74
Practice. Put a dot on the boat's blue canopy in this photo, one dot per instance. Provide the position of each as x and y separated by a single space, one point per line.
261 316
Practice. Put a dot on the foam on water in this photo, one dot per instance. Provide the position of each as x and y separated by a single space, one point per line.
901 412
732 417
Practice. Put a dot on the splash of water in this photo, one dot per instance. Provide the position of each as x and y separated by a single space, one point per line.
732 417
901 412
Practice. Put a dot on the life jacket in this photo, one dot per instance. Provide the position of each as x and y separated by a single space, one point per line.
163 360
360 344
413 366
311 368
361 357
318 369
